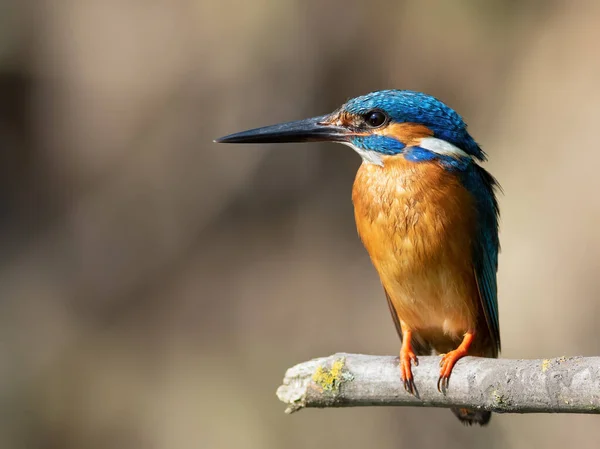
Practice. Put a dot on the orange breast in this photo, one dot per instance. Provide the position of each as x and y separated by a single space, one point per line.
416 221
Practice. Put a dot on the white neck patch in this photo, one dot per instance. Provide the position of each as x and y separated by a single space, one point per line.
437 146
442 147
368 156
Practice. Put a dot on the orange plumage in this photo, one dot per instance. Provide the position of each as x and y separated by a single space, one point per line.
416 222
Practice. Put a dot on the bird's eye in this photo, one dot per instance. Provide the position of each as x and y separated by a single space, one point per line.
375 119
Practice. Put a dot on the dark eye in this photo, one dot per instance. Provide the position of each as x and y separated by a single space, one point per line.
375 119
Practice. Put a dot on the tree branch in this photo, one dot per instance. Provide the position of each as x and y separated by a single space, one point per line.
562 385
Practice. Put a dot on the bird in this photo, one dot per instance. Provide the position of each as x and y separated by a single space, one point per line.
427 214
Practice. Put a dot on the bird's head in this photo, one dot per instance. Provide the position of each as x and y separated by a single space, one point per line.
379 124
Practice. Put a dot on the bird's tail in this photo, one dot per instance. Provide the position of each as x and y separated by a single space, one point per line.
469 416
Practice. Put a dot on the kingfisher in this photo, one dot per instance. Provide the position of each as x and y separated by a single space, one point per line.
427 214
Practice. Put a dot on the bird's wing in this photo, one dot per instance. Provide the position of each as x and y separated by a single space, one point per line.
486 248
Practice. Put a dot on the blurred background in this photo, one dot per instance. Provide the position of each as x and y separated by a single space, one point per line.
155 286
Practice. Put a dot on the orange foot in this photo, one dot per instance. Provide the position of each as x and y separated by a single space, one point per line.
449 360
407 358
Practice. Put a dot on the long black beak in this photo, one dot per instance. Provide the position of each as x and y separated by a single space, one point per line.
310 130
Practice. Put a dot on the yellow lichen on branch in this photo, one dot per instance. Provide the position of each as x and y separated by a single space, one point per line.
331 379
545 365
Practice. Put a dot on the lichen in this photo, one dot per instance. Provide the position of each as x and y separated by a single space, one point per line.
545 365
498 397
501 401
332 379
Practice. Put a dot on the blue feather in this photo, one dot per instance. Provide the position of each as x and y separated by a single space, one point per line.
419 154
381 144
486 245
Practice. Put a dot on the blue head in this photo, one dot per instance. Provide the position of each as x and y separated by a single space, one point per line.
388 122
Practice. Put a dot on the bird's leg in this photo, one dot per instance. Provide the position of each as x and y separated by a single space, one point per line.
449 360
407 357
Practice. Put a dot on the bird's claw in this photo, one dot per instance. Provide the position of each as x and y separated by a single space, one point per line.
447 363
407 358
442 383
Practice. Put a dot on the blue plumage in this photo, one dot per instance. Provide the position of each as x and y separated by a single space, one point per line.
418 154
380 144
486 245
405 106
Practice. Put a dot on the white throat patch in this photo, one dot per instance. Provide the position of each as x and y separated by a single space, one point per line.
368 156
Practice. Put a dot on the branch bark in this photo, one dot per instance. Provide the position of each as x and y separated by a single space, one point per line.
560 385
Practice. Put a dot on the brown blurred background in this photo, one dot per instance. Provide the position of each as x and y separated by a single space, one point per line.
155 286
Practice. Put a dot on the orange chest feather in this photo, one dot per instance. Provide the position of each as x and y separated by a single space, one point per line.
416 221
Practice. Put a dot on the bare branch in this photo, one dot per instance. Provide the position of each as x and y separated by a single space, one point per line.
562 385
